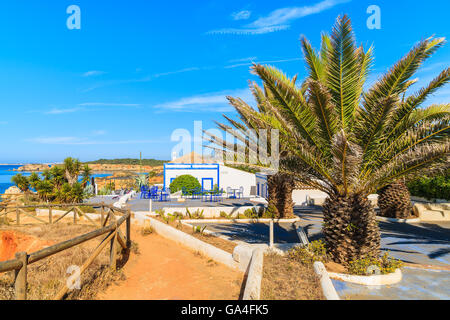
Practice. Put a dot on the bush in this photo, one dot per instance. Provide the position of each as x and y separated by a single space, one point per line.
437 187
385 265
187 181
315 251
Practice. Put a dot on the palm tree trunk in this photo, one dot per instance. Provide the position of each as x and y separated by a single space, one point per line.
280 187
350 228
394 201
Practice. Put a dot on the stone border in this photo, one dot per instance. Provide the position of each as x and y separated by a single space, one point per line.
375 280
193 243
327 286
252 289
412 220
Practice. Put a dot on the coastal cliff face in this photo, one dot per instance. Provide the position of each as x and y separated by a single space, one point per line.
33 168
93 167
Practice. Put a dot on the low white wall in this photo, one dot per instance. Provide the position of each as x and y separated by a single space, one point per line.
317 197
209 212
253 285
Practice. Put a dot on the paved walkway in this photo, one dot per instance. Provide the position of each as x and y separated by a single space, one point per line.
164 270
254 232
420 243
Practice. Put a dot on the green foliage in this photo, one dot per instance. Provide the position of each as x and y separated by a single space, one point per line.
315 251
106 190
261 212
365 266
199 229
21 182
58 184
225 215
129 161
187 181
437 187
141 180
197 214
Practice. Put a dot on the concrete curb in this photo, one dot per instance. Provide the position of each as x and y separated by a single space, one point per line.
252 289
302 235
375 280
193 243
413 220
327 286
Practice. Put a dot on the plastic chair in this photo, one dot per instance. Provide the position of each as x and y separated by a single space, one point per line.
240 193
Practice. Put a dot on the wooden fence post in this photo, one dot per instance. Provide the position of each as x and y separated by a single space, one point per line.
102 213
20 282
129 228
74 215
50 215
113 251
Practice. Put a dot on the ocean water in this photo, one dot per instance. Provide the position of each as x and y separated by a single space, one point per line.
6 174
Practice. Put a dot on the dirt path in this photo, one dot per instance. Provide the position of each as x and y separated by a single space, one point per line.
165 270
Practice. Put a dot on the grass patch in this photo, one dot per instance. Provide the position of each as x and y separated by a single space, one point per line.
285 278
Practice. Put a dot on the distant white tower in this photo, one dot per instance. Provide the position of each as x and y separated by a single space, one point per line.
174 156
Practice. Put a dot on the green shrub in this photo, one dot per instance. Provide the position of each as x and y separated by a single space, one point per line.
385 265
197 214
437 187
315 251
225 215
187 181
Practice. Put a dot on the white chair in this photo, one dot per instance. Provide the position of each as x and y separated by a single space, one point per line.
229 192
241 192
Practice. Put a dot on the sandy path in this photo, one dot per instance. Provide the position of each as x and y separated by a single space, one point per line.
166 270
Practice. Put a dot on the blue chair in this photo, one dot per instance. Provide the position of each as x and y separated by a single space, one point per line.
218 196
197 193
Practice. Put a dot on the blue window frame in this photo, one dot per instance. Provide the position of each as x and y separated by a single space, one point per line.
207 183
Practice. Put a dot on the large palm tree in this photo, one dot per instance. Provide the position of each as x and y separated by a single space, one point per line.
344 140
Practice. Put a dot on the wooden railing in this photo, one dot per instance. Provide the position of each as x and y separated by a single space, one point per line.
113 236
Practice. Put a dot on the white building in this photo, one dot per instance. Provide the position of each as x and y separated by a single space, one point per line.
210 174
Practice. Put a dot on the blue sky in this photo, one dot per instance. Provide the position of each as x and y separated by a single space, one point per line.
138 70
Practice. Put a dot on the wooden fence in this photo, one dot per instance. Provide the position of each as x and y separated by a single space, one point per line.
109 224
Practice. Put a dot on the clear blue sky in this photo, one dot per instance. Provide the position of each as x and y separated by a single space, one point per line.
137 70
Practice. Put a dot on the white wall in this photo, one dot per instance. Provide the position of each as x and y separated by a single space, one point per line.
197 173
300 197
234 178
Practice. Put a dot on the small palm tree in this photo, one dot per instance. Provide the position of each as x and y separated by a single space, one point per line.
21 182
345 141
87 173
72 168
